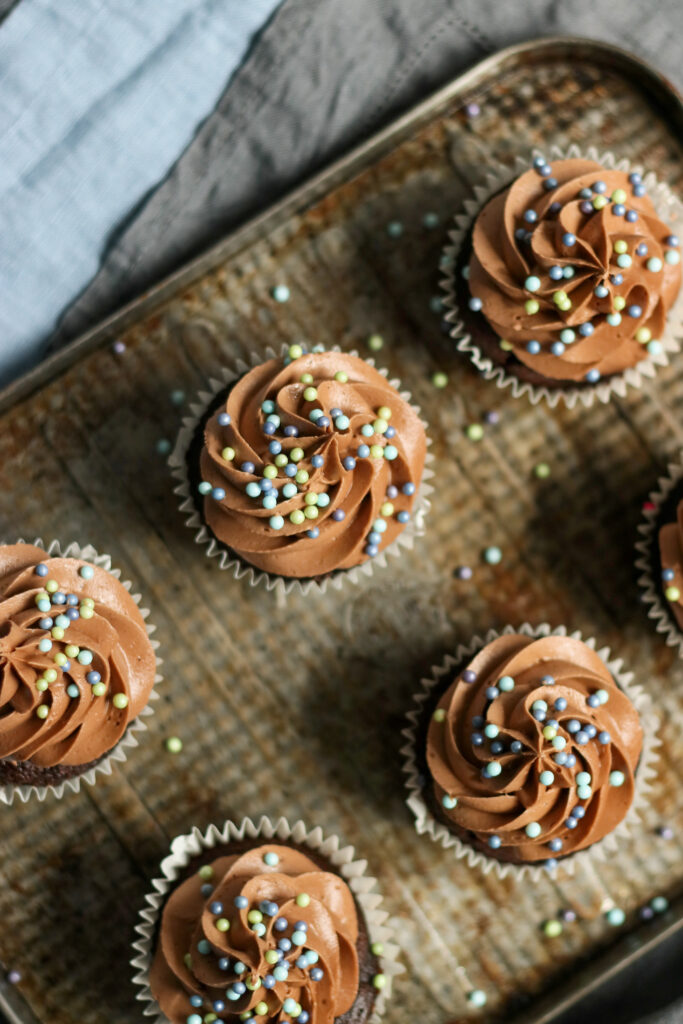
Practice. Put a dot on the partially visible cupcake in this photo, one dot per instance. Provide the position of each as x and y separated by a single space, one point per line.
269 929
660 556
528 750
76 666
565 278
306 466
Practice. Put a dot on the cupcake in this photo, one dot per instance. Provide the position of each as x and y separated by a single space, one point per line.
564 279
271 928
526 752
660 556
304 467
76 666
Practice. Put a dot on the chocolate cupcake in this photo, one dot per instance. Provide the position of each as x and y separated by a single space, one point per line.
660 556
527 750
271 922
304 467
561 280
76 667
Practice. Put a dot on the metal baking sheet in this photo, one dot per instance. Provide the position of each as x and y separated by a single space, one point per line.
297 710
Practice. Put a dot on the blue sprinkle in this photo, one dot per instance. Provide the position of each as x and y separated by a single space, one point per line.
604 738
634 311
631 216
639 190
557 348
635 178
206 890
408 489
492 692
475 304
72 600
530 216
224 963
593 701
363 451
573 725
269 981
551 863
586 193
560 704
269 428
390 432
72 614
533 347
599 187
550 183
667 574
618 209
477 739
268 407
317 974
223 419
556 273
586 329
590 730
579 812
204 947
274 447
568 238
349 462
291 431
58 597
516 747
403 517
338 515
494 842
497 747
616 278
280 924
41 569
247 467
586 208
285 945
571 760
642 249
290 469
72 690
581 737
313 533
601 291
556 844
219 1006
560 757
571 822
241 902
478 721
93 677
548 680
593 376
323 422
216 907
371 550
47 623
317 461
196 1001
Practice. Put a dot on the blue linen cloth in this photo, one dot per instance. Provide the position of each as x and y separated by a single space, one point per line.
97 100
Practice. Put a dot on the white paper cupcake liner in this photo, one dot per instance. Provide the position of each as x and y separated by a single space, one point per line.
185 847
119 753
416 783
499 177
657 608
239 567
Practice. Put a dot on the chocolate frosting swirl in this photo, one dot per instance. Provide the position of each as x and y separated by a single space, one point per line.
314 416
621 267
266 931
563 770
671 558
76 664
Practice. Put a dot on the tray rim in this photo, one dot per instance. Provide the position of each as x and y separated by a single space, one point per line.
314 187
582 979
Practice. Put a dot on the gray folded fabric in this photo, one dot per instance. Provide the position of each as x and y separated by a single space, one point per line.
324 74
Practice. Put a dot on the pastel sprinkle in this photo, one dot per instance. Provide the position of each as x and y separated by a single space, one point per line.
493 555
439 379
173 744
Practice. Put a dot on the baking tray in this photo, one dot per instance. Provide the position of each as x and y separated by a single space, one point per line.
298 709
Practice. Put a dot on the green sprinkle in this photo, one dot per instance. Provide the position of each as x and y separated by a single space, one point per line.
542 470
120 701
379 981
475 432
505 345
552 928
303 899
439 715
51 586
377 948
99 689
341 377
672 593
222 924
296 454
174 744
531 306
297 517
205 871
375 342
42 711
439 379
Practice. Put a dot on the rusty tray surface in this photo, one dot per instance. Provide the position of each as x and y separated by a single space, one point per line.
297 710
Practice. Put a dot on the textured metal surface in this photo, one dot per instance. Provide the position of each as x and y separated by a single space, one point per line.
298 710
